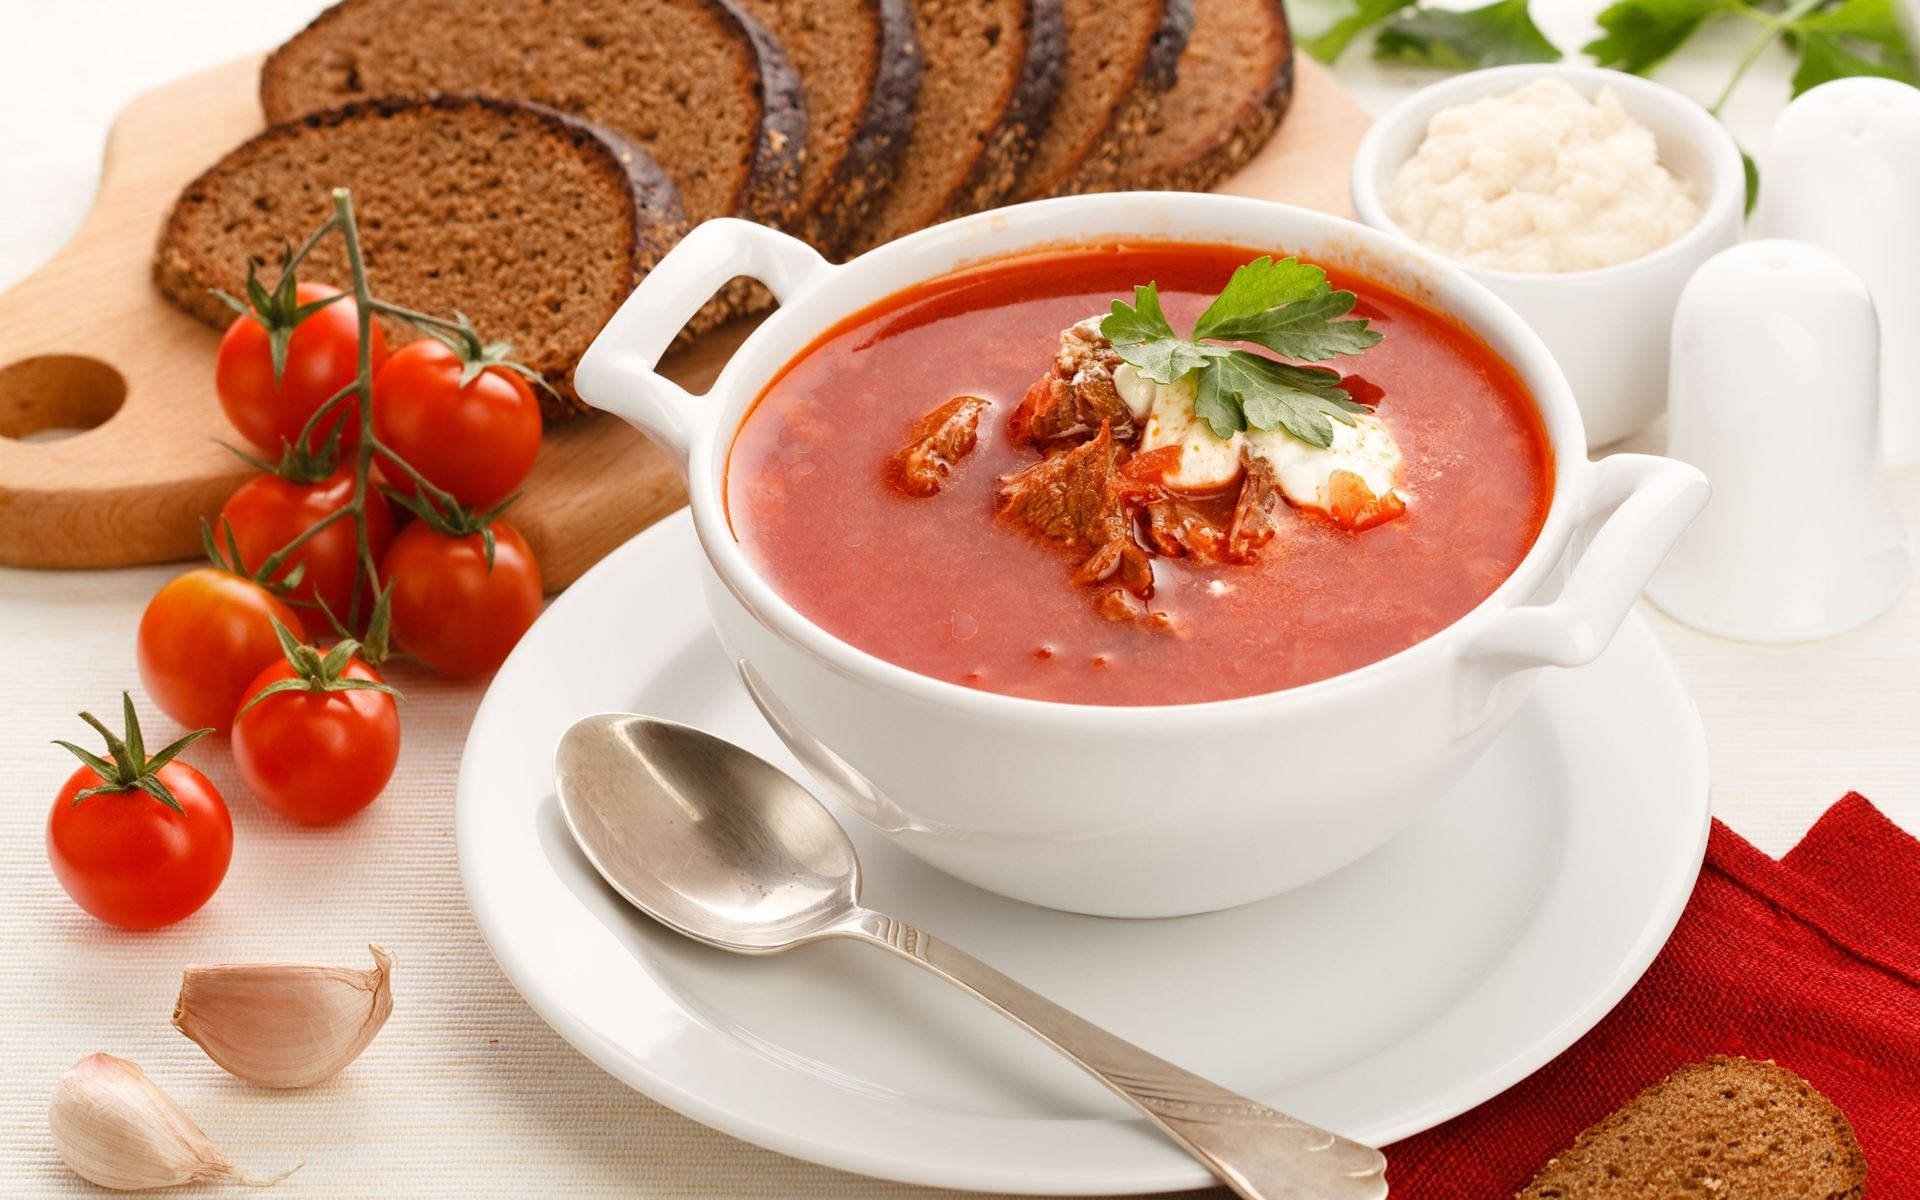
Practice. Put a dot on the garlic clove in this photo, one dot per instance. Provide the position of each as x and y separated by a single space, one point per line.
284 1025
116 1128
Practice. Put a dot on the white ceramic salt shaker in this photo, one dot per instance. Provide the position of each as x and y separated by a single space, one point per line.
1774 394
1842 171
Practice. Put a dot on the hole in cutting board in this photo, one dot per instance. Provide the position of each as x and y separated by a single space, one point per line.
51 396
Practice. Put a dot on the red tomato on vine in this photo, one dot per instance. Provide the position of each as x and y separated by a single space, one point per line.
285 356
471 426
460 604
269 511
138 841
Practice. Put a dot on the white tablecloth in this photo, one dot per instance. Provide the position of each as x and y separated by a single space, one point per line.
467 1093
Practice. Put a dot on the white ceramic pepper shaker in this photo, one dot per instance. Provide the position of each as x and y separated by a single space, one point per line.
1774 394
1842 171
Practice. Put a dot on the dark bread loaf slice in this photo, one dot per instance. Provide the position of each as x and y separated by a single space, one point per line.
1122 56
1727 1127
1236 80
698 84
534 224
860 66
993 74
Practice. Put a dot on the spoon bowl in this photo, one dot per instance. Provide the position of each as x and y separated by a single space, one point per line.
704 837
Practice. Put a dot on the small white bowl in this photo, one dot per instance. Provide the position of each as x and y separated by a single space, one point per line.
1608 327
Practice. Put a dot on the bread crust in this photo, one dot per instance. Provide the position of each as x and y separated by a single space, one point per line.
1258 115
996 172
771 190
769 187
655 220
1161 70
872 159
1137 114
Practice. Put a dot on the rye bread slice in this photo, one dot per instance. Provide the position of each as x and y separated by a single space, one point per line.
993 74
860 66
698 84
534 224
1731 1128
1122 57
1236 79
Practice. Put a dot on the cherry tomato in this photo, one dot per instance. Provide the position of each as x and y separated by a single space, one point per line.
124 854
323 356
449 610
476 442
267 512
202 640
316 756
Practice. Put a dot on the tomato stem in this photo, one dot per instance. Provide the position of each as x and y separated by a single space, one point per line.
440 497
363 386
461 328
319 414
275 560
128 766
295 258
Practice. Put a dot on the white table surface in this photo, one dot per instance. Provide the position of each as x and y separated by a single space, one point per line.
467 1093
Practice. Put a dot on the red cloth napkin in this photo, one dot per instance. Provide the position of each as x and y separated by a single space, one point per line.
1812 961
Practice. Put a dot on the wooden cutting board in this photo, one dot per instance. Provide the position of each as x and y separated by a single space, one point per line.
87 344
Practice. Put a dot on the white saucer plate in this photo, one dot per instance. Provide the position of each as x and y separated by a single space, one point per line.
1379 1001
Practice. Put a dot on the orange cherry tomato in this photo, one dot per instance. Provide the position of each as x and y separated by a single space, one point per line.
323 356
202 640
450 610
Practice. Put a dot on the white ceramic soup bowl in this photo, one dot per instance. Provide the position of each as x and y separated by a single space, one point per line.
1609 328
1132 811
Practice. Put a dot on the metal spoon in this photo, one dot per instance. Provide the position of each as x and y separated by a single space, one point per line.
725 848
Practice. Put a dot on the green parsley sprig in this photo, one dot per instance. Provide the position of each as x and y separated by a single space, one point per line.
1286 306
1492 35
1834 39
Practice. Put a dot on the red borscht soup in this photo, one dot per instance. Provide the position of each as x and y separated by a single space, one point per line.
986 480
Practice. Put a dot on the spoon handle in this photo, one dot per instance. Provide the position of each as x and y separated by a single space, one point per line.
1259 1153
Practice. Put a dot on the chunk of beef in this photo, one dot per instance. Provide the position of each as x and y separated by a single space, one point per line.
1253 521
1121 560
1077 395
1074 496
941 439
1118 604
1083 497
1176 527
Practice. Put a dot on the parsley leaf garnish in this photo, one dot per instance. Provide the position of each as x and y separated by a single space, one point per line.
1639 35
1495 35
1332 42
1860 37
1287 307
1413 33
1143 336
1835 39
1240 390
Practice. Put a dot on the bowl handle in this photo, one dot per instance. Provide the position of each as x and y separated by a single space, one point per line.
617 372
1642 504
